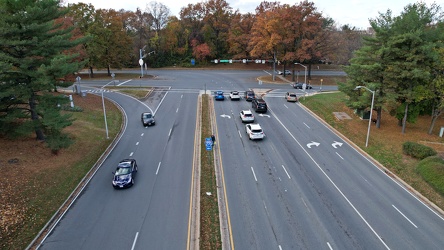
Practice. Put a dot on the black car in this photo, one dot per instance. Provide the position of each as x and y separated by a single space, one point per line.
300 85
259 105
148 119
124 174
249 95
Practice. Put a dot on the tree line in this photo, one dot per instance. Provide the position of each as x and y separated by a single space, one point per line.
403 64
211 30
42 42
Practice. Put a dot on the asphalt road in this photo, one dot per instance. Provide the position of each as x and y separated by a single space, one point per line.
153 214
302 187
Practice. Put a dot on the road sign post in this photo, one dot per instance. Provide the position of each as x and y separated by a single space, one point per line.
208 143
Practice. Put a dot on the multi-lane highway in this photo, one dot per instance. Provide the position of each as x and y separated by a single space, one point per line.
302 187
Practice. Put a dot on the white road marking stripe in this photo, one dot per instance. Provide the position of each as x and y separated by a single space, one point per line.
252 170
135 240
286 172
404 216
339 156
158 167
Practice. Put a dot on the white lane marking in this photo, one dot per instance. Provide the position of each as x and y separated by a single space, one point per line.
169 133
305 204
131 154
286 172
124 82
158 167
333 183
404 216
306 125
286 106
181 96
339 155
142 134
240 134
177 110
135 240
280 248
328 244
137 143
252 170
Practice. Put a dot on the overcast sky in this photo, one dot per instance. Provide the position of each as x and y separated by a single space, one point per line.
353 12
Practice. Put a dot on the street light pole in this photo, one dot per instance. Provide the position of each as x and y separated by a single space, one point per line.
371 111
305 67
141 60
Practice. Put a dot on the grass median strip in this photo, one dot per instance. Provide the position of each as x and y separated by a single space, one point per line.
210 235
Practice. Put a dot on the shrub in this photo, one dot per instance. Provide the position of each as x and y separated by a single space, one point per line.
417 150
431 170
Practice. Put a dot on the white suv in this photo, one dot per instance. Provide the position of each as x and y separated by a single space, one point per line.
246 116
234 95
254 131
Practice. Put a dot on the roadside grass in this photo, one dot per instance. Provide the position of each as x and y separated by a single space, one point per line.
385 143
210 235
38 182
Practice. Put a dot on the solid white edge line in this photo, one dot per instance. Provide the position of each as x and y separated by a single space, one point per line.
169 133
289 177
404 216
254 175
158 167
135 240
329 247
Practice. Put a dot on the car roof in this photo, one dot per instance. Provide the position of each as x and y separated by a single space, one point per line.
255 126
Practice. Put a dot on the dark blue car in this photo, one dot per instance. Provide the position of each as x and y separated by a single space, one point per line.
124 174
219 95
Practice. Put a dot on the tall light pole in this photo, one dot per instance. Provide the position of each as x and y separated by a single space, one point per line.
371 111
305 67
141 60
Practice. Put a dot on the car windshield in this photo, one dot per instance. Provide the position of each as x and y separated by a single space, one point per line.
147 116
123 170
256 130
248 115
292 95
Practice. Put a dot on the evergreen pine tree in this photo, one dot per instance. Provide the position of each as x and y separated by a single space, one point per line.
33 56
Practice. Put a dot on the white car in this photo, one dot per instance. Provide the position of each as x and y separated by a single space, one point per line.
291 97
234 95
254 131
288 72
247 116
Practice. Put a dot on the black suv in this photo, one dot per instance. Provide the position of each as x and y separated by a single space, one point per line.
249 95
259 105
147 119
124 174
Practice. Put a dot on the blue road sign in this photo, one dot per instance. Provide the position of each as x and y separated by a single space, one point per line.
208 143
